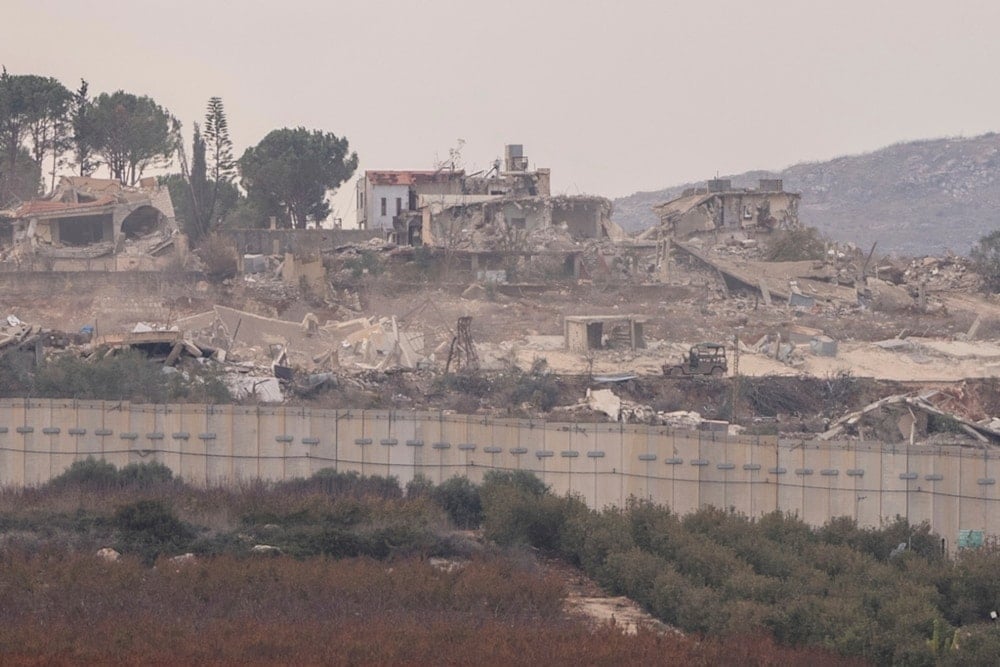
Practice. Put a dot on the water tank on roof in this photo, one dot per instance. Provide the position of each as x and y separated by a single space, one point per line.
771 185
515 158
720 185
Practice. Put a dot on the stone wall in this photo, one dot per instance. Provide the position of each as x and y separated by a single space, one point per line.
280 241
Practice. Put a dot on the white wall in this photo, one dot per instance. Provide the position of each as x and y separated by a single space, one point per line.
390 192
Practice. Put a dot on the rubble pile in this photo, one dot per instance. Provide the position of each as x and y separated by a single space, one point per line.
915 417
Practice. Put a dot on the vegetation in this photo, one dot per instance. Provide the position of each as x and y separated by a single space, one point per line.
354 584
722 574
293 169
220 257
204 193
792 245
131 134
287 175
537 388
128 375
31 112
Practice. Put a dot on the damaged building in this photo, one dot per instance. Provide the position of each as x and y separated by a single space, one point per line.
444 217
88 218
721 208
431 207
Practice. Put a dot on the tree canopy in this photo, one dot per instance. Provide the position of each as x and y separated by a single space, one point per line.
31 111
294 169
131 134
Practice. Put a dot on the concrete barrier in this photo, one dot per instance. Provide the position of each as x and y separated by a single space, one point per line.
951 487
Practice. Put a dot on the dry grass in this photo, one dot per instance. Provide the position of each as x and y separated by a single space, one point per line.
65 608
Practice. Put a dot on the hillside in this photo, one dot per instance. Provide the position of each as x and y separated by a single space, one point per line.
914 198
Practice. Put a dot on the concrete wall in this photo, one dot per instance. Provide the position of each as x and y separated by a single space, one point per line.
951 487
114 301
280 241
390 193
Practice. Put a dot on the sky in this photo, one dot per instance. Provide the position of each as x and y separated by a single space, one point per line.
613 97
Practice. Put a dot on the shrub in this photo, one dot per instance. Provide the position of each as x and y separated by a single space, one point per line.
460 499
336 483
517 509
128 375
90 472
537 387
99 474
792 245
145 475
419 487
220 257
148 528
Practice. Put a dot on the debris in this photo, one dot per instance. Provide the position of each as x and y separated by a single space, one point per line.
823 346
474 292
606 402
108 554
265 550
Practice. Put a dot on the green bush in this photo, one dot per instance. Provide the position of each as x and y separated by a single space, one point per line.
336 483
99 474
460 499
149 529
145 475
537 387
90 472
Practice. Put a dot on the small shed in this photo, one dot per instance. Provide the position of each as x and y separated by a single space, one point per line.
601 332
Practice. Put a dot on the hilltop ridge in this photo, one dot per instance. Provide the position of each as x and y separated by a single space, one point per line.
913 198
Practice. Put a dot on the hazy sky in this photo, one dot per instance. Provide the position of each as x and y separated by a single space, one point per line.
614 97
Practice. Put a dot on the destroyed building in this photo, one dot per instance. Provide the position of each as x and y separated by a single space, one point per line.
442 217
88 218
430 207
384 196
721 208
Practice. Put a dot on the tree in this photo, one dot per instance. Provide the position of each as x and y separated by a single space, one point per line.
211 173
31 107
294 169
82 139
219 162
986 260
132 133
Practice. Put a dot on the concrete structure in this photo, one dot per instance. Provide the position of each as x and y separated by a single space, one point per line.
600 332
953 488
582 217
426 207
280 241
720 208
90 217
383 196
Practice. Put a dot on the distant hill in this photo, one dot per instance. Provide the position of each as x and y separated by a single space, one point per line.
914 198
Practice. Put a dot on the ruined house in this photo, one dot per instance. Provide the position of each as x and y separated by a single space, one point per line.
385 196
446 217
430 208
87 218
721 208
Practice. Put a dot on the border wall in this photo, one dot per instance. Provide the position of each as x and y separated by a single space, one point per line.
952 487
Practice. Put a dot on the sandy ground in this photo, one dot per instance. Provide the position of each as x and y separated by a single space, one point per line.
585 598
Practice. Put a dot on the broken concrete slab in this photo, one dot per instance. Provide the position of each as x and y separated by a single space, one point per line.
605 401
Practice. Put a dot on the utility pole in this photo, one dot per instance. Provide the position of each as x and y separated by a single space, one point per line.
736 378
